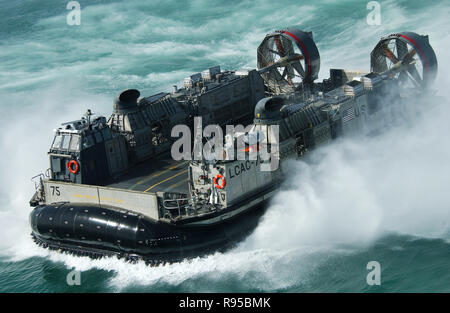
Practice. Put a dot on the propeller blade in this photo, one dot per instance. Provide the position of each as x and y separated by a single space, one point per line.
273 51
287 75
388 53
279 45
402 49
295 57
290 75
299 68
410 55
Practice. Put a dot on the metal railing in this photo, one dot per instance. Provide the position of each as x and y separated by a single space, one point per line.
177 206
38 183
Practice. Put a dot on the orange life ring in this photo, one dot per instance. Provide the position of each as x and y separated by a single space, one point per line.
216 178
71 169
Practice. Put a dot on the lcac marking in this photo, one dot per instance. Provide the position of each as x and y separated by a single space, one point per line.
241 168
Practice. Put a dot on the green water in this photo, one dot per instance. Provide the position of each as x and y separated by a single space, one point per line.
379 199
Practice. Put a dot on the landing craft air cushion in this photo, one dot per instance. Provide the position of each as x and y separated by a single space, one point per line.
113 188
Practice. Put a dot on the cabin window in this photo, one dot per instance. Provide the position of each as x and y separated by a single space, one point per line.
66 142
57 142
75 143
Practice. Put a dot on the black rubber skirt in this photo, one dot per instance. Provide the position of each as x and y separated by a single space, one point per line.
86 229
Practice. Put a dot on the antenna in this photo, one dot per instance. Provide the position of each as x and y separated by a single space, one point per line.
88 117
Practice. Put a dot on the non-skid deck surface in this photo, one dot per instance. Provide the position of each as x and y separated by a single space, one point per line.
160 174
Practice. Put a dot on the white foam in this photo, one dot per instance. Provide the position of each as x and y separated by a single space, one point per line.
27 132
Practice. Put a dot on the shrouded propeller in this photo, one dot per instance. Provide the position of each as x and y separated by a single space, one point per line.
288 59
408 56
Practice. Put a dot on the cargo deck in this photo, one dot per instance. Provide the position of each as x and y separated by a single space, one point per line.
161 174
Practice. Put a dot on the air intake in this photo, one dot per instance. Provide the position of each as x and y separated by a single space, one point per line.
126 101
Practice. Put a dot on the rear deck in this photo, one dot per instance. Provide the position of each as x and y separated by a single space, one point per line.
159 174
